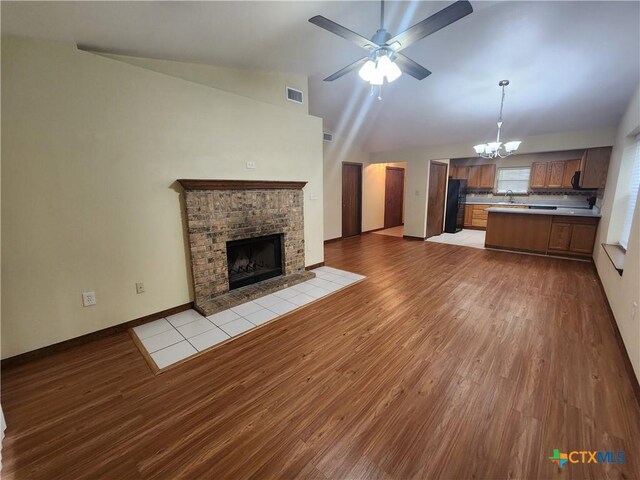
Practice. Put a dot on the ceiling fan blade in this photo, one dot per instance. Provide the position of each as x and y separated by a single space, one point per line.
435 22
343 32
349 68
410 67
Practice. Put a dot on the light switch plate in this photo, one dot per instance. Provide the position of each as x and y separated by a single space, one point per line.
88 299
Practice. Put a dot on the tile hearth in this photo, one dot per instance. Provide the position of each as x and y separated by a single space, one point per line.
177 337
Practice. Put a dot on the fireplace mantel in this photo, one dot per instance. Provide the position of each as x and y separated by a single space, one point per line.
191 184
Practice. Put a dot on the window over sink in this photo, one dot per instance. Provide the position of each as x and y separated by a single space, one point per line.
515 179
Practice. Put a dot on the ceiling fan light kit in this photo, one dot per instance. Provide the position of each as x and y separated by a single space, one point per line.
384 60
497 149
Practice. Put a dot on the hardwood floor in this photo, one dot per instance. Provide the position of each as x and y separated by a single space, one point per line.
447 362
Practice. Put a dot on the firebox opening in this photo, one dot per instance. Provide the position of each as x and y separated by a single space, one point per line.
253 260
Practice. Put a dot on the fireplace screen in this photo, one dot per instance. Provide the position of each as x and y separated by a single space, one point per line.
253 260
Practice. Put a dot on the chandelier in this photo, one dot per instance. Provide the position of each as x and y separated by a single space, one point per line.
498 149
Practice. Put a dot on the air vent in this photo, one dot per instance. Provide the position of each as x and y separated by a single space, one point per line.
327 137
294 95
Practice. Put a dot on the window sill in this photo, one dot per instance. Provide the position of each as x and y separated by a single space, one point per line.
616 254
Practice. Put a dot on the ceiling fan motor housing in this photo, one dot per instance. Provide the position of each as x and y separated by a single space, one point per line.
381 37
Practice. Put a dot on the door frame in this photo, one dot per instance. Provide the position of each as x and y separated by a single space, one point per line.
385 195
444 205
359 165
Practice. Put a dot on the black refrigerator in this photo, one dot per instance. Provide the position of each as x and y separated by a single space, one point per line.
456 199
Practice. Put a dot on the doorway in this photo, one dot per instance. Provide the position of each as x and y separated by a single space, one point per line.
393 196
436 198
351 199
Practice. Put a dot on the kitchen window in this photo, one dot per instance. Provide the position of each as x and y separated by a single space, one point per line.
515 179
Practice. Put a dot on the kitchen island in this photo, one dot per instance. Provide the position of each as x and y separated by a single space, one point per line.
568 232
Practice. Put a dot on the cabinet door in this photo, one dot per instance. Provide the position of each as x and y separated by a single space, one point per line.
463 173
555 174
453 171
582 238
487 175
594 166
474 177
538 175
570 168
468 215
560 236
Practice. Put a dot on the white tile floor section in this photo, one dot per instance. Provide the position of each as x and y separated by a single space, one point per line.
184 334
465 238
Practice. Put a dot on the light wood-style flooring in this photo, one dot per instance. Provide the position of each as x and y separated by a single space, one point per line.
447 362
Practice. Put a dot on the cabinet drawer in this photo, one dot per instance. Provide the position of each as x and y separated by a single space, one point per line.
480 214
479 222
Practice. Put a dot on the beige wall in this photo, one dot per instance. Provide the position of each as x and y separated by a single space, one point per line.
622 290
373 178
91 151
267 87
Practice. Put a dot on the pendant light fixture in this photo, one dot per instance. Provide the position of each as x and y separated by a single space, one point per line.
497 149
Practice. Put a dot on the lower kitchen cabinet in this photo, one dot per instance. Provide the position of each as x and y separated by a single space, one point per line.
573 235
560 236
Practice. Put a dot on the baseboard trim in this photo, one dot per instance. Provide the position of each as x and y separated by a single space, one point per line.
331 240
23 358
409 237
616 331
315 265
375 230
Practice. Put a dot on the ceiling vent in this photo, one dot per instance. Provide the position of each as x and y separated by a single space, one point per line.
327 137
294 95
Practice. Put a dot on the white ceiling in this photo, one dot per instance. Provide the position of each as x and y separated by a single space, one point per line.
572 65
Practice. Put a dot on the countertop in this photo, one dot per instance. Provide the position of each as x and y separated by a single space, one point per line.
563 204
572 212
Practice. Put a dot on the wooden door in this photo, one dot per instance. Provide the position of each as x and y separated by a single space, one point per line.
393 196
488 175
570 168
560 236
555 174
436 202
582 238
351 199
474 177
538 175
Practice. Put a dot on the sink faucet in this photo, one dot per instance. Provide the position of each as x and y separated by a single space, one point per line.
510 193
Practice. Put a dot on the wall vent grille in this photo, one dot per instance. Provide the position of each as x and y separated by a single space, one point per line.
294 95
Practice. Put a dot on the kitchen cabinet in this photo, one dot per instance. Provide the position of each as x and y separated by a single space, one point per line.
555 174
563 235
573 235
473 179
538 177
458 172
594 166
468 215
570 168
482 176
488 176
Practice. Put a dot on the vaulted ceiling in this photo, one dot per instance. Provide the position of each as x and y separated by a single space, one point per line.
572 65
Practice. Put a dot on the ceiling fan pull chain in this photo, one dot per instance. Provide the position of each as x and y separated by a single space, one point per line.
381 14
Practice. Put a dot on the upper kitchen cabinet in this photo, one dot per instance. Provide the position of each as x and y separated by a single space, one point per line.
555 174
488 175
538 178
594 166
482 176
458 172
570 169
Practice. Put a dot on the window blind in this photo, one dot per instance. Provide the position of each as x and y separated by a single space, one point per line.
633 195
515 179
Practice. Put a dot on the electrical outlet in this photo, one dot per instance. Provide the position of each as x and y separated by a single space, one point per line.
139 287
490 195
634 311
88 299
251 165
565 196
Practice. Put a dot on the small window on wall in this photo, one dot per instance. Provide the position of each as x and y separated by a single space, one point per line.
632 196
515 179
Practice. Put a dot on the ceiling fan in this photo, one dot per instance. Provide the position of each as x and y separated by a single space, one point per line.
384 59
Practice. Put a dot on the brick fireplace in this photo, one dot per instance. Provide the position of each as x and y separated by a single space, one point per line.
224 214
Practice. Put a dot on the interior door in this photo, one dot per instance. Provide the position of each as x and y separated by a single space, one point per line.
351 199
436 198
393 196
